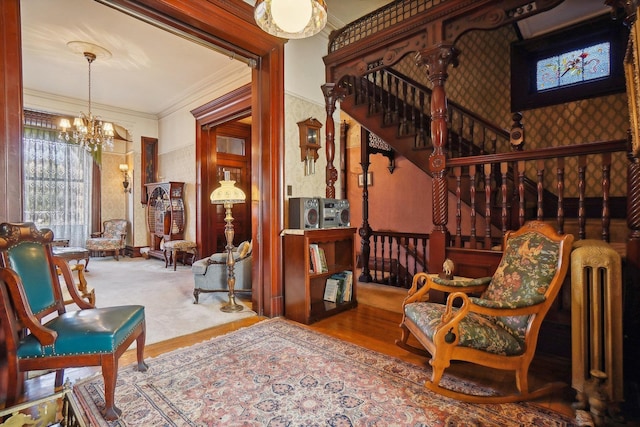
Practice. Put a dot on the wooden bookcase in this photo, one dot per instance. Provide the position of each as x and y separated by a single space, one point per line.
303 289
165 214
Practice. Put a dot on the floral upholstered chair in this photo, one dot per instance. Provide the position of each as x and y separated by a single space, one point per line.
498 329
111 239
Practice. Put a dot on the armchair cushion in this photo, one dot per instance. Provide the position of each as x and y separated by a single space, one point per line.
476 331
90 331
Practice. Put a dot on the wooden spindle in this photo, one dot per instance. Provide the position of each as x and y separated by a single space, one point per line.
457 171
606 184
540 189
487 210
582 214
472 205
560 190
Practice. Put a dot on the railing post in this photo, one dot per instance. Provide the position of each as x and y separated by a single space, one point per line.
331 94
436 60
365 230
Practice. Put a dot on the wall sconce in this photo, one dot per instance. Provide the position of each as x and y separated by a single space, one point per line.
309 143
124 168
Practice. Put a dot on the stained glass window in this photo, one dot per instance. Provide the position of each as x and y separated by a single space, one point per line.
575 66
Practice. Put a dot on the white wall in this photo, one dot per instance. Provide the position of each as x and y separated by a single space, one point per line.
304 75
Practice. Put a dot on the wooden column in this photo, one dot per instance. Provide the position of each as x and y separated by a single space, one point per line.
436 60
11 119
331 95
365 229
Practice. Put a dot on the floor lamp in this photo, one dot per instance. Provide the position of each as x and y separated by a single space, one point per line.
228 194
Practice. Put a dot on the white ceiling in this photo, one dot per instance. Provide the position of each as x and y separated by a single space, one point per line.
150 70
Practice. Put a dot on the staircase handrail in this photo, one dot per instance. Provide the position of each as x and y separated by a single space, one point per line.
597 147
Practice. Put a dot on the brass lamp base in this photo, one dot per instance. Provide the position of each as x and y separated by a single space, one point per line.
232 306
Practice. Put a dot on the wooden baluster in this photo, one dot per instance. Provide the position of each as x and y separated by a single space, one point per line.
521 194
582 214
396 100
412 105
540 188
376 270
421 140
424 254
504 168
471 136
606 184
494 144
472 204
487 210
405 277
457 171
382 256
460 130
403 120
388 116
560 188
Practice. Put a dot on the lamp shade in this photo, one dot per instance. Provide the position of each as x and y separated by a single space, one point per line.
291 19
227 193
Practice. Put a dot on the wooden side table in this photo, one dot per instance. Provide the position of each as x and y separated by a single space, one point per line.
72 253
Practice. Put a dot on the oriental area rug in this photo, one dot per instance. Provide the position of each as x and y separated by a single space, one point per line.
279 373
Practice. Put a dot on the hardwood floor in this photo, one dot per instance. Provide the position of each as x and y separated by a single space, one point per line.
371 327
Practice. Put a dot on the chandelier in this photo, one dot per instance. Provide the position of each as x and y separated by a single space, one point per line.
291 19
88 130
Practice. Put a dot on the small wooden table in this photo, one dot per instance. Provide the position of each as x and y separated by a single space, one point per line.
72 253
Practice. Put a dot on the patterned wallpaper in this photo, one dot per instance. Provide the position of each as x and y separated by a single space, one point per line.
114 200
484 74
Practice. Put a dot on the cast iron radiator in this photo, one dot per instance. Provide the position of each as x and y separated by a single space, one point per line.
596 324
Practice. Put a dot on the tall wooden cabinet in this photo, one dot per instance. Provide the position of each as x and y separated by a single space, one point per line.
165 214
304 290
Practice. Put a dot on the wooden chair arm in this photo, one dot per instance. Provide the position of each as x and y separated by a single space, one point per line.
424 282
21 306
64 268
96 234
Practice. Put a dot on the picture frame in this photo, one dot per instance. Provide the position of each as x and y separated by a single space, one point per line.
149 165
369 179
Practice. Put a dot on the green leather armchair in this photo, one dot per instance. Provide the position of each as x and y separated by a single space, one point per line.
41 334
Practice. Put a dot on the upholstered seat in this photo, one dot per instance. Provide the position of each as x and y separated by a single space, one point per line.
39 332
499 328
210 274
110 239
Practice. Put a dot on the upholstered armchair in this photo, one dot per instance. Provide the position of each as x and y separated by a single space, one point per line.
38 331
210 274
499 328
110 239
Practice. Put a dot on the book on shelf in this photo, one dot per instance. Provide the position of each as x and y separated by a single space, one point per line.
348 285
318 258
331 290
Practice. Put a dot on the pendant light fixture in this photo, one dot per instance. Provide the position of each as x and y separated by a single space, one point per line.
291 19
88 130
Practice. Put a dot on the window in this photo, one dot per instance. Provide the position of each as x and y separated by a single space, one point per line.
57 181
580 62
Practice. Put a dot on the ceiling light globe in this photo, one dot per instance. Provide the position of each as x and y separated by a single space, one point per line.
291 19
291 15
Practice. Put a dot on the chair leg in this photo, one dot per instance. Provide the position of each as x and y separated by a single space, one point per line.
196 293
140 340
59 378
110 375
15 383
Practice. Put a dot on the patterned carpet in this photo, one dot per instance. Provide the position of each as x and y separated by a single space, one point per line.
278 373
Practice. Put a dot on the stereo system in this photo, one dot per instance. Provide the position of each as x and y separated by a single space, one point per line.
309 213
304 213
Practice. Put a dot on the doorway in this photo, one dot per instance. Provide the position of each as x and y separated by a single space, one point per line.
231 143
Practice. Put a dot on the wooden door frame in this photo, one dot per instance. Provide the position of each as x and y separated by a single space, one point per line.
225 23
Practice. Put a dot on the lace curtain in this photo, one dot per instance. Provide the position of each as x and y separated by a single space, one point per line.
57 181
